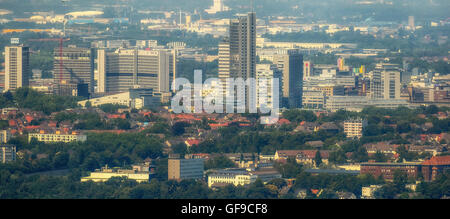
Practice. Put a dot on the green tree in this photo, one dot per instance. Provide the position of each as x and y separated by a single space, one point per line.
318 158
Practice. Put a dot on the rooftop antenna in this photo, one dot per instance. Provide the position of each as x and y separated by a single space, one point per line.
252 5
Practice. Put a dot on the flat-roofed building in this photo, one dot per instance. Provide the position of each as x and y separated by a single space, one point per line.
135 98
127 68
313 99
57 137
241 177
236 177
17 67
106 173
387 170
180 169
354 128
73 66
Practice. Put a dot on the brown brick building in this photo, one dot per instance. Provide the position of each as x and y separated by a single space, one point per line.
429 169
387 170
432 167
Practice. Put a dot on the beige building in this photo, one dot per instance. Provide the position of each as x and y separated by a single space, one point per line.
106 173
241 177
354 128
234 177
368 192
129 68
179 169
17 67
134 98
385 82
57 137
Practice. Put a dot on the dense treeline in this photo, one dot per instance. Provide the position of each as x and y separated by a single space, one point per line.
28 98
99 150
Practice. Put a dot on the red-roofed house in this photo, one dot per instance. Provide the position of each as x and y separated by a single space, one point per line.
12 122
283 121
435 165
29 118
218 125
192 142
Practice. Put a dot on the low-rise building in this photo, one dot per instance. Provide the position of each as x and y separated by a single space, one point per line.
57 137
367 192
434 166
387 170
241 177
135 98
179 169
106 173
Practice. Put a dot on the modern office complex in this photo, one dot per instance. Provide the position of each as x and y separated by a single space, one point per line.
385 82
179 169
134 98
265 73
74 67
17 67
123 69
137 173
237 54
291 65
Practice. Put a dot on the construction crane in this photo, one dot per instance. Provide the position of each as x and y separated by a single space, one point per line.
60 40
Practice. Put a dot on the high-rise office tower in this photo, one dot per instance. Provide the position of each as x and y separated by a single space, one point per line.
385 82
217 6
411 23
131 68
264 75
237 53
77 69
17 67
291 64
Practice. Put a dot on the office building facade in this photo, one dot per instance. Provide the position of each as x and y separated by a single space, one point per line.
131 68
179 169
237 55
72 67
291 64
17 67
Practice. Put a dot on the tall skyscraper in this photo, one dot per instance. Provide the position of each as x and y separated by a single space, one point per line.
237 53
264 75
385 82
17 67
217 6
131 68
411 23
77 68
291 64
